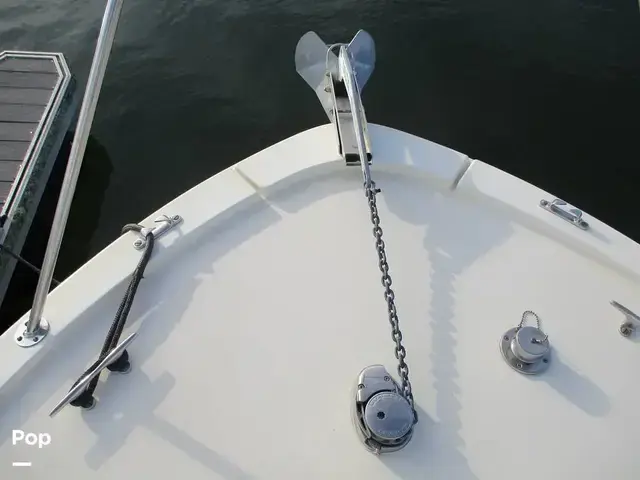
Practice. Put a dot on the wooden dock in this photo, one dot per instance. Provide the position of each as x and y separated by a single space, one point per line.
37 108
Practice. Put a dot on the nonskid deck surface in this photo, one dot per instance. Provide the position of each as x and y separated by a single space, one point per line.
254 326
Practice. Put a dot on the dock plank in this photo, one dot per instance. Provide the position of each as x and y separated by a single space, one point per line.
38 65
28 80
17 131
4 190
13 151
25 96
28 83
9 171
20 113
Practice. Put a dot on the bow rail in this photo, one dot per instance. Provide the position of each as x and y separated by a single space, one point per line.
36 328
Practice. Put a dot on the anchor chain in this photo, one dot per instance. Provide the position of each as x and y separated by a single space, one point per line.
396 334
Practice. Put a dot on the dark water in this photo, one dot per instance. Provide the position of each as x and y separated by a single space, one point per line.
548 91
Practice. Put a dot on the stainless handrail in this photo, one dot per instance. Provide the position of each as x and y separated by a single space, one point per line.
37 327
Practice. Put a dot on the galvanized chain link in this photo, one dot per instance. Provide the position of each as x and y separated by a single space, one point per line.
528 313
389 296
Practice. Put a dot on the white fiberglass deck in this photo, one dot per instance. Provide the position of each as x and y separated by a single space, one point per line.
257 314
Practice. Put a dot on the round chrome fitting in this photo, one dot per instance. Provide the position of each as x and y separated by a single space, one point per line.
388 416
626 329
526 350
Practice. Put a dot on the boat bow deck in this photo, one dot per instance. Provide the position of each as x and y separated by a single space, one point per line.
257 313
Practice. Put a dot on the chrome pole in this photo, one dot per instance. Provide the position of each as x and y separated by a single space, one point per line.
37 327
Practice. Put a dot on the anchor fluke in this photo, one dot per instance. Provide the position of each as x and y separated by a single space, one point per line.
338 81
315 60
363 53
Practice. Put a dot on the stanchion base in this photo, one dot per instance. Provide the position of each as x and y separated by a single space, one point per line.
25 340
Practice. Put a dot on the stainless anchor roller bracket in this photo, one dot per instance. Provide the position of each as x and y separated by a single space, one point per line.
383 418
164 224
338 87
526 349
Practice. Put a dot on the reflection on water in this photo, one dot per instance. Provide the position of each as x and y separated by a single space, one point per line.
83 220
